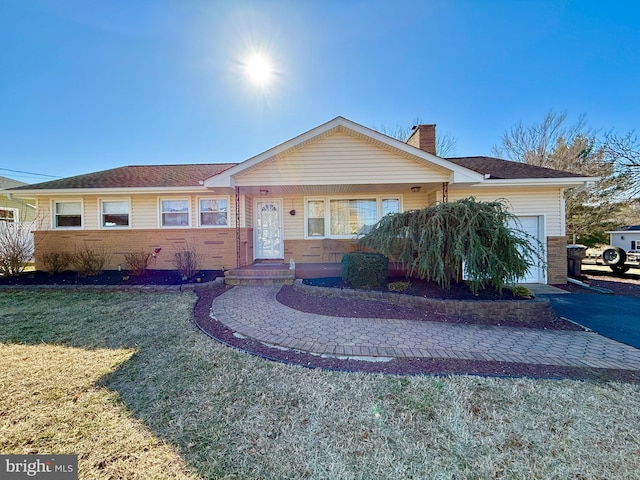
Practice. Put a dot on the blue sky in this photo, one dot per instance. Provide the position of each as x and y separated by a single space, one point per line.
87 85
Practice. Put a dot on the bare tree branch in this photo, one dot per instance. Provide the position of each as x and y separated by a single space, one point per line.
445 141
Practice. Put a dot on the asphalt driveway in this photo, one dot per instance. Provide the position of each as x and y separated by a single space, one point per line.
614 316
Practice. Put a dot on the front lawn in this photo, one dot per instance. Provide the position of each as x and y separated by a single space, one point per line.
124 380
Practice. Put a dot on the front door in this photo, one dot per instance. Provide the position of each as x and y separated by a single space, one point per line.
268 229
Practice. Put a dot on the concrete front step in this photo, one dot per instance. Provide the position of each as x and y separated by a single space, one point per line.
262 281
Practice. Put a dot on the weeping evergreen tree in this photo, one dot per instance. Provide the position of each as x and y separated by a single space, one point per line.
441 242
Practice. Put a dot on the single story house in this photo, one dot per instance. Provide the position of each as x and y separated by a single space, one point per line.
297 200
626 238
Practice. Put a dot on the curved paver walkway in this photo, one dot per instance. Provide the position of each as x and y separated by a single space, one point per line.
255 312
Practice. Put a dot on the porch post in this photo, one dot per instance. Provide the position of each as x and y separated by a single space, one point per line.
238 227
445 192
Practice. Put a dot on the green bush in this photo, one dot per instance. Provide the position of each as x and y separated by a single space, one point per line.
398 286
521 291
364 270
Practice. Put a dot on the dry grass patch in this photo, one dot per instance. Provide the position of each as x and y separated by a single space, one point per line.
230 415
52 403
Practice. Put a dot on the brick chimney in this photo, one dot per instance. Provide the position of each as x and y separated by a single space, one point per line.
424 138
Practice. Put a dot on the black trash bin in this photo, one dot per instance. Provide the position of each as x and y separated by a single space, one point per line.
575 255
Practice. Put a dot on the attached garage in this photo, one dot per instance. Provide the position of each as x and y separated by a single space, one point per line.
533 225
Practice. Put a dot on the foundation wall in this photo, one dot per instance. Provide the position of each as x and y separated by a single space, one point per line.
217 246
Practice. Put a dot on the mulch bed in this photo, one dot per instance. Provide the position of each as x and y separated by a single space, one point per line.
109 277
349 307
397 366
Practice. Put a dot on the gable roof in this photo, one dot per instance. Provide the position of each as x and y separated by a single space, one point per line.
459 174
470 170
137 176
498 168
6 182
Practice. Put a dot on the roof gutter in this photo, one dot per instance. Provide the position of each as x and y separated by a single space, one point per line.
542 182
93 191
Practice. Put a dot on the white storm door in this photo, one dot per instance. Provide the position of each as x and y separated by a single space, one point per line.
268 229
532 226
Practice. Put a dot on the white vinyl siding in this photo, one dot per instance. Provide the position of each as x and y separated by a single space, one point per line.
342 159
523 201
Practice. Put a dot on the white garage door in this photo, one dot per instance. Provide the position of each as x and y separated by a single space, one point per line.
532 226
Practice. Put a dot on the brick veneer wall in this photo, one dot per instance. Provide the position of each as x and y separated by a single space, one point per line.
557 260
217 245
313 251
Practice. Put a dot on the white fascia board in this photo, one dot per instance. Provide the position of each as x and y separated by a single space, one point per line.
459 174
106 191
539 182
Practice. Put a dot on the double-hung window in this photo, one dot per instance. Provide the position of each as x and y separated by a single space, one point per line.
346 217
67 214
8 215
174 212
213 212
115 213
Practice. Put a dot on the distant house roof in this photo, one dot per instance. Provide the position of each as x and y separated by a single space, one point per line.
627 228
9 183
138 176
498 168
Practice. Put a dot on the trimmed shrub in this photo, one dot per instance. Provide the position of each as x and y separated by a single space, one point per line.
90 262
56 262
364 270
137 262
398 286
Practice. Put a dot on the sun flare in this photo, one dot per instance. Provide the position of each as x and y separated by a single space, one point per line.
258 69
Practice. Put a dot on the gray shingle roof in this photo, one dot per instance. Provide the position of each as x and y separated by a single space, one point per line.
628 228
507 169
138 176
190 175
9 183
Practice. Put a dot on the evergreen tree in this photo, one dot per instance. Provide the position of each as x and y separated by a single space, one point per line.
441 242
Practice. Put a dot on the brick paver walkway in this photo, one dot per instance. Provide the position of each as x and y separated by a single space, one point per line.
254 312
